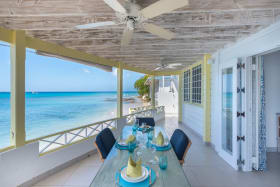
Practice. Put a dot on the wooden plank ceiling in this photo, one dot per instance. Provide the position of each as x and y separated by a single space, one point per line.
203 27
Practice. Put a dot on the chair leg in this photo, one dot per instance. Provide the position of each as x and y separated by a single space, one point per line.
100 155
185 153
181 162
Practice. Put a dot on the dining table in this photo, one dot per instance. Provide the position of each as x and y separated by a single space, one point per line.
173 175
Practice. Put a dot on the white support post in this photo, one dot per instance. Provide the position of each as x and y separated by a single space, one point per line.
120 91
180 98
18 89
153 92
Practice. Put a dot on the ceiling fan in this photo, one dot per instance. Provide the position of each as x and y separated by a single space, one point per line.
132 16
167 66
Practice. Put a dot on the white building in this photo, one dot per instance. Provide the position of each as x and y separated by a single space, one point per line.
243 123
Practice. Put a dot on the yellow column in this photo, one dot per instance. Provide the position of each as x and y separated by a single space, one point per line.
180 97
120 91
18 89
153 91
207 98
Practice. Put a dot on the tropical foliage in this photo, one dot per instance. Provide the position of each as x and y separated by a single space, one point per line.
141 87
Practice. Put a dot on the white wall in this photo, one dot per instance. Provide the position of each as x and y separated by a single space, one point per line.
263 41
266 40
20 165
215 106
272 96
168 99
193 117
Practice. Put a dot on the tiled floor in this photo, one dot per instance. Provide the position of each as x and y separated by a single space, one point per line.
203 167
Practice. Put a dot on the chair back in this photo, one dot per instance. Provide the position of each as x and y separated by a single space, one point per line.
104 141
148 121
180 143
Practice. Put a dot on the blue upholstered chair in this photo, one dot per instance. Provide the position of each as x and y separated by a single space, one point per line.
181 144
104 142
148 121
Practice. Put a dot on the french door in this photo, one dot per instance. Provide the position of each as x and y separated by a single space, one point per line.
229 106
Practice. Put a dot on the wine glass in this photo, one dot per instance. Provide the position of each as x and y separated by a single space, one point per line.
137 122
134 127
150 135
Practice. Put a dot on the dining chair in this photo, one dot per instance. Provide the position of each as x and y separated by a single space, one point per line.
181 144
148 121
104 142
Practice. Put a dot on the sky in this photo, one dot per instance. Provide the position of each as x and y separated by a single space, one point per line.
52 74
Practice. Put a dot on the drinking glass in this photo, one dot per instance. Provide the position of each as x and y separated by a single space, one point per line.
163 162
144 124
131 146
134 127
150 139
150 135
137 122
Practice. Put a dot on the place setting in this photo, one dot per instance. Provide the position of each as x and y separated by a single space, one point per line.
135 174
159 143
144 128
127 144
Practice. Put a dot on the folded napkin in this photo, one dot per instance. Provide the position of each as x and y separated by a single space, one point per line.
160 139
131 138
134 169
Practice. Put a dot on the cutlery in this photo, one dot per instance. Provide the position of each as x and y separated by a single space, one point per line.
118 180
150 177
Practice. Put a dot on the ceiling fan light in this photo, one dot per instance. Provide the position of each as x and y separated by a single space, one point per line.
130 24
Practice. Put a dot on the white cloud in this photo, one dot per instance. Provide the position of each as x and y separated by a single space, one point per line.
86 71
115 73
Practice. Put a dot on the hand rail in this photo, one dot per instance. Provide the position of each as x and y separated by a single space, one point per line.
6 148
69 130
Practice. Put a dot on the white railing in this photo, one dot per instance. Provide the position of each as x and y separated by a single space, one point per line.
159 109
66 138
139 109
131 118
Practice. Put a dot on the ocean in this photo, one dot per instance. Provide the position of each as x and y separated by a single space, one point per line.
51 112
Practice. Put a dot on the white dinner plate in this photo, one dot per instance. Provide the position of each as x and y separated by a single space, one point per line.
165 144
122 143
141 178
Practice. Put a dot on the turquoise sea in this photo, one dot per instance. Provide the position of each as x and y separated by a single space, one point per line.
50 112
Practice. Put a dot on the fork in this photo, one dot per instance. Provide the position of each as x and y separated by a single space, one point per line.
118 180
150 177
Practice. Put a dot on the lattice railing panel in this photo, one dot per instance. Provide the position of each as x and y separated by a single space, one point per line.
69 137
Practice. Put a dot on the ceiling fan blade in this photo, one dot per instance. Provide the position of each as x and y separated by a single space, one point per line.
162 6
126 37
97 24
174 65
115 5
171 67
159 31
158 68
